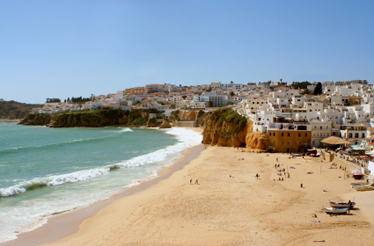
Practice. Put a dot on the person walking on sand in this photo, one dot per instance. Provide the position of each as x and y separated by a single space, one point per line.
190 181
257 175
277 159
196 182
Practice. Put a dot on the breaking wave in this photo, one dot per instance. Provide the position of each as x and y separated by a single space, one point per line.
186 139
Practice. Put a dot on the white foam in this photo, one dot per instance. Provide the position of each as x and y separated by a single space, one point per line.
54 180
186 139
33 213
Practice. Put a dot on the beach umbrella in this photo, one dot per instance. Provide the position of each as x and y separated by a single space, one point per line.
356 172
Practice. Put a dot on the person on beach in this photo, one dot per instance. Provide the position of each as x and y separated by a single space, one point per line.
190 181
257 175
196 182
277 159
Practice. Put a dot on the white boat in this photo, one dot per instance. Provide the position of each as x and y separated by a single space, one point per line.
349 205
335 210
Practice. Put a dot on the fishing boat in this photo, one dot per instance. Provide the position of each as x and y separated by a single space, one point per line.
349 205
335 210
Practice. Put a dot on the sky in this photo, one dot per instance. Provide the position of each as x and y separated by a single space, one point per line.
71 48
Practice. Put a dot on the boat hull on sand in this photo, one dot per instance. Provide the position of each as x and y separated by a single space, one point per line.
342 204
335 210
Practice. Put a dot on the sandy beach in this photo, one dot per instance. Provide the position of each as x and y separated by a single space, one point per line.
230 206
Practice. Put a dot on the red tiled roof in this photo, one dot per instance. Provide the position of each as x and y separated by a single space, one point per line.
280 87
156 93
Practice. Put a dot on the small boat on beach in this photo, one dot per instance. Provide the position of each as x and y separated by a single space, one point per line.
349 205
335 210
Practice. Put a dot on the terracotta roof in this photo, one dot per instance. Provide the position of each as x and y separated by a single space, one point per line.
280 87
152 85
156 93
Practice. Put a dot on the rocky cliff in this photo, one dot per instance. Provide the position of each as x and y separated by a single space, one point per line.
15 110
36 119
179 115
96 118
225 127
255 140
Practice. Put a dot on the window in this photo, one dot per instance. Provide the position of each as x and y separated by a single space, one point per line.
282 134
288 134
306 134
282 142
299 135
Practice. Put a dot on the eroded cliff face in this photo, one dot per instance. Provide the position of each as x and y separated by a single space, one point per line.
255 140
179 115
223 135
95 119
224 128
36 120
227 128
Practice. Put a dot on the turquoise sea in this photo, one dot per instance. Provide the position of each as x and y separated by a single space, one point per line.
44 171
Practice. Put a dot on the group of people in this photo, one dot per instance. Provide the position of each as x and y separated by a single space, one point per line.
196 182
276 165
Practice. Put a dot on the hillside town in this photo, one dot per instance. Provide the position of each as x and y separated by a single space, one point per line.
296 116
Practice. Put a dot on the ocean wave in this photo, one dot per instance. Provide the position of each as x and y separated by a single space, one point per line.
9 150
186 139
52 181
122 130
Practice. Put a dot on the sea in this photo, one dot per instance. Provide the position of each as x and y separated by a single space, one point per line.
46 171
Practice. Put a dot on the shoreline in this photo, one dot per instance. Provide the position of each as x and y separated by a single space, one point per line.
9 121
231 206
71 220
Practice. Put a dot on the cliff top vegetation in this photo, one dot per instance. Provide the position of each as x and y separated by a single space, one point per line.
15 110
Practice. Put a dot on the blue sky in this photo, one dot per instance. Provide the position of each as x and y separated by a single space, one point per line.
75 48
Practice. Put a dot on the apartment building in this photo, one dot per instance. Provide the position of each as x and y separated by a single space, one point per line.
290 137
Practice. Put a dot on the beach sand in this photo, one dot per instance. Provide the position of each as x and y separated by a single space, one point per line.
236 210
229 206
